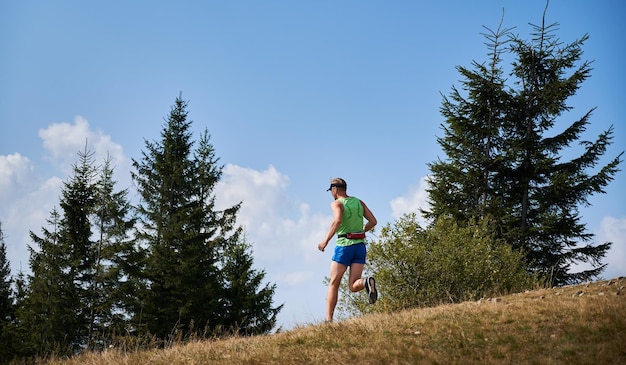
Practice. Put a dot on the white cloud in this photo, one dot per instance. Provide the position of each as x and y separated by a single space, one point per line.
276 224
614 230
15 173
284 236
261 191
23 198
23 210
416 198
62 142
298 278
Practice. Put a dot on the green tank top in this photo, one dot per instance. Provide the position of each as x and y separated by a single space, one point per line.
351 220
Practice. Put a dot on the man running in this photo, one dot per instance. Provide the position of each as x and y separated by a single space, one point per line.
348 214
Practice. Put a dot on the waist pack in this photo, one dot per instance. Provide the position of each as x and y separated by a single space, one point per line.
353 236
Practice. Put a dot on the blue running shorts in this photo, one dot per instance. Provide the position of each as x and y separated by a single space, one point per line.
353 254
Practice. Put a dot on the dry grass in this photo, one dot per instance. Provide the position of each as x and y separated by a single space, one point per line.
583 324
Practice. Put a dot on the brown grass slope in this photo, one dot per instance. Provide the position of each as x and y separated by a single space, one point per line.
583 324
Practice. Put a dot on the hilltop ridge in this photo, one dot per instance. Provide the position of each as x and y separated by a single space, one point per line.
579 324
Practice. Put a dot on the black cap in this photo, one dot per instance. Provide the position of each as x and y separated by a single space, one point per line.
336 186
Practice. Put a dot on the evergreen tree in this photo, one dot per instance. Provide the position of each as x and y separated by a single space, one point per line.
6 293
81 281
16 332
78 199
549 189
42 315
213 232
163 179
185 236
247 304
56 307
7 307
466 184
112 291
501 164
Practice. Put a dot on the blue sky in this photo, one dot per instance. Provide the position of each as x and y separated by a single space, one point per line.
293 94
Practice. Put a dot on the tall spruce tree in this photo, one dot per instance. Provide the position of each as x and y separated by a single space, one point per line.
45 308
78 199
185 236
466 184
79 293
506 158
56 308
14 346
7 305
111 295
247 301
164 179
549 188
6 292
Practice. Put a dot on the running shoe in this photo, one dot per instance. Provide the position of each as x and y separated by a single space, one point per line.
370 287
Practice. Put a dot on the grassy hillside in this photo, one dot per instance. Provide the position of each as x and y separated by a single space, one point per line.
583 324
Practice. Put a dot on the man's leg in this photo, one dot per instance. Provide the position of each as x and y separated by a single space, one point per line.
336 273
356 282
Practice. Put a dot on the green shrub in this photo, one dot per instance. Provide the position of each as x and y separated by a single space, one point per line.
444 263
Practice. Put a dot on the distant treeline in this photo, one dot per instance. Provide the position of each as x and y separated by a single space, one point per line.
103 272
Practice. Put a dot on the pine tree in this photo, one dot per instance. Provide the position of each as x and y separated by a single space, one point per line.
6 293
56 307
78 198
44 310
79 290
163 179
213 232
186 237
111 292
501 163
465 186
548 190
247 303
17 332
7 306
